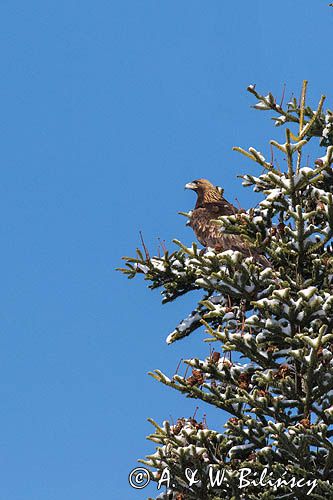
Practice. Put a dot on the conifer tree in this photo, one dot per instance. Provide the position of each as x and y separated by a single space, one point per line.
272 327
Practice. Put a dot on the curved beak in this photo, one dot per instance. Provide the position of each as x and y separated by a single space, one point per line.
190 185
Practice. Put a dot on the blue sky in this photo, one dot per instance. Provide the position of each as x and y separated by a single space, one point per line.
107 109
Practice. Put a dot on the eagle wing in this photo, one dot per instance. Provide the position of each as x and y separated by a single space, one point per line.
221 207
209 233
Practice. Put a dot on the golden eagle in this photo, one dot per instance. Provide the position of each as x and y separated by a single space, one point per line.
210 206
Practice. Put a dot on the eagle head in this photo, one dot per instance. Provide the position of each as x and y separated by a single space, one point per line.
200 185
206 191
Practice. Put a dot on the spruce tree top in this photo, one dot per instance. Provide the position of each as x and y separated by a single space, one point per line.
277 320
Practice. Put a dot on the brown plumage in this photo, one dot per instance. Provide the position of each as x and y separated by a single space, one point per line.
210 206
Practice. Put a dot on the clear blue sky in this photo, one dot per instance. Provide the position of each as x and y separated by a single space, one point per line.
107 109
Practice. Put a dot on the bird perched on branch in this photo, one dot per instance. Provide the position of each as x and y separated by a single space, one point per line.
210 206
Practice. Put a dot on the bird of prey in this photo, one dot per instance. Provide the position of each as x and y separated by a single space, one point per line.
209 206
